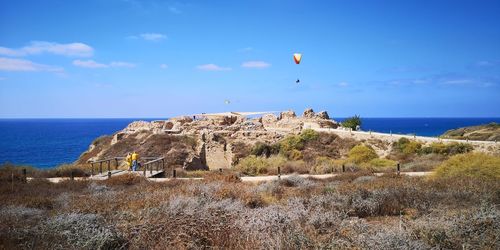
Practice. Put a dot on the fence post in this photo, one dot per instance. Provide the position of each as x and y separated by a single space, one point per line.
109 165
71 176
163 164
399 169
343 168
144 170
100 167
25 178
151 169
174 173
116 163
279 173
109 174
91 169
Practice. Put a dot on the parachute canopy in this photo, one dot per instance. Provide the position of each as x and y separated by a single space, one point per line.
227 101
297 57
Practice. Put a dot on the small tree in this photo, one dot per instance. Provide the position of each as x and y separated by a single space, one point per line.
352 122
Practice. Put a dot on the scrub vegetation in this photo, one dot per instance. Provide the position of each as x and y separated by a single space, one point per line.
350 211
456 208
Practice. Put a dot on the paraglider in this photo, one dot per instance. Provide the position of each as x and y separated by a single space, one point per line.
297 57
227 101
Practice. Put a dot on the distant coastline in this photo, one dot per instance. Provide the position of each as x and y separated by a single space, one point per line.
48 142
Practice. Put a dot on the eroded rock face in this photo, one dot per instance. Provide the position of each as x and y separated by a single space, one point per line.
323 115
308 113
287 115
211 141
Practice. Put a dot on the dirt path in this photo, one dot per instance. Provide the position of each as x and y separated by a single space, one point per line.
244 178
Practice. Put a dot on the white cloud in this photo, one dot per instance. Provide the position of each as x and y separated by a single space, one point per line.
122 64
155 37
212 67
9 64
39 47
95 65
459 81
256 64
343 84
163 66
89 64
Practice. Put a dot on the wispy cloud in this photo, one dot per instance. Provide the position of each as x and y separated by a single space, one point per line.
10 64
256 64
404 69
163 66
343 84
449 79
153 37
247 49
122 64
487 64
89 64
174 10
212 67
40 47
95 65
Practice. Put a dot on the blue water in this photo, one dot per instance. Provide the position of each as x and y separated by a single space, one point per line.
46 143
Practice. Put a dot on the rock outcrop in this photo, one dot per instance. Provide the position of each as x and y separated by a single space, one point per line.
486 132
203 141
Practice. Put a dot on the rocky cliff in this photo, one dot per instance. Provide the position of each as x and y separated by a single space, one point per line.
486 132
206 141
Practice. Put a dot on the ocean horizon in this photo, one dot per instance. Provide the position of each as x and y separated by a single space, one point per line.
50 142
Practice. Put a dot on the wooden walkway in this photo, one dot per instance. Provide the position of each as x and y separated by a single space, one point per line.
153 167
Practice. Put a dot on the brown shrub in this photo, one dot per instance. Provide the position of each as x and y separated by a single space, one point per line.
327 145
125 180
225 176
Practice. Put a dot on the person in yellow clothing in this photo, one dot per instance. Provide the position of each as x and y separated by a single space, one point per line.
128 160
135 158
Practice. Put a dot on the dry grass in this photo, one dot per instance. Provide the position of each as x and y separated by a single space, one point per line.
354 210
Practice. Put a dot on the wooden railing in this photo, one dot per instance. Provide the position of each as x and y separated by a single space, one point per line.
155 162
150 164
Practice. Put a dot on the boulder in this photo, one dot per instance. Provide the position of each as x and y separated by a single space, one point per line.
287 115
182 119
268 120
323 115
308 113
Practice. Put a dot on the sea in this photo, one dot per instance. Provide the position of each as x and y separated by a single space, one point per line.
47 143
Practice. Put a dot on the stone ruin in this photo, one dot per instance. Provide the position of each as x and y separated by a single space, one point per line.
217 134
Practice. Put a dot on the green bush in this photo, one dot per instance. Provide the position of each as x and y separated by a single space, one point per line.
476 165
309 135
263 149
290 143
407 147
253 165
447 149
323 165
352 122
362 154
381 164
295 155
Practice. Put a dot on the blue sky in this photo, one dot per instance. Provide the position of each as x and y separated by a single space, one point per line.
131 58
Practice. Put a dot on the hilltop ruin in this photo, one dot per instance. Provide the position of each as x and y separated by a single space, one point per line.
204 141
